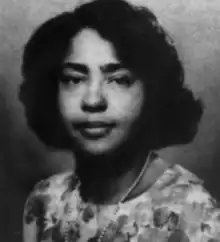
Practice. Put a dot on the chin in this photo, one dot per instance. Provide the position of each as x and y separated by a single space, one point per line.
98 150
102 147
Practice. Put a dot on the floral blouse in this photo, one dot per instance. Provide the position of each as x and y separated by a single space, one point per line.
175 209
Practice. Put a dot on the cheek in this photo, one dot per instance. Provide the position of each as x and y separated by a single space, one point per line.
128 105
68 105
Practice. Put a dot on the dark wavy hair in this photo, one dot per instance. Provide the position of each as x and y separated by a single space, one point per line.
171 112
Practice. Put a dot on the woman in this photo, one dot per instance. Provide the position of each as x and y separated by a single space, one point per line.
105 82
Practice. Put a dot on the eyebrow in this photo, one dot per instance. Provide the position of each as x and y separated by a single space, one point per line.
112 67
76 67
108 68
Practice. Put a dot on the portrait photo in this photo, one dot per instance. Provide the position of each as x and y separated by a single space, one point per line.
109 121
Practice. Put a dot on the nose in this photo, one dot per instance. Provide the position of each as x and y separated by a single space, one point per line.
94 100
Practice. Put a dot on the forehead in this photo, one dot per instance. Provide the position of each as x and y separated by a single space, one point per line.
88 47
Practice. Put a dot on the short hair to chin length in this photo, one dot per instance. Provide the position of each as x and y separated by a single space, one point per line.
172 113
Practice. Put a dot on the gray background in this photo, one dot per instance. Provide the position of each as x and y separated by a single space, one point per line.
194 24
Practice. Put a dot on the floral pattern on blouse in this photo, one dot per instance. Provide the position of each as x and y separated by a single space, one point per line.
175 209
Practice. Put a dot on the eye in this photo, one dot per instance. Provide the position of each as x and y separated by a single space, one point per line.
70 80
124 80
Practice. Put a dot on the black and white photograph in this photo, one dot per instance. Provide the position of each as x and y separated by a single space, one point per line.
110 121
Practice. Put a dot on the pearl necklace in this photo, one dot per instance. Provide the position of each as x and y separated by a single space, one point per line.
123 198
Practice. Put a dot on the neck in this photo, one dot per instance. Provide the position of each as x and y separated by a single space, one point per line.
105 178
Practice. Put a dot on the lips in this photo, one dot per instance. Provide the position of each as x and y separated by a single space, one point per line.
94 130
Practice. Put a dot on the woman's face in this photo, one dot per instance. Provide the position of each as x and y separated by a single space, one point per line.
99 99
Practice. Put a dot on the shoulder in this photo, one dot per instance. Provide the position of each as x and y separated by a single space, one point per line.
178 183
177 176
46 192
192 186
201 211
190 208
